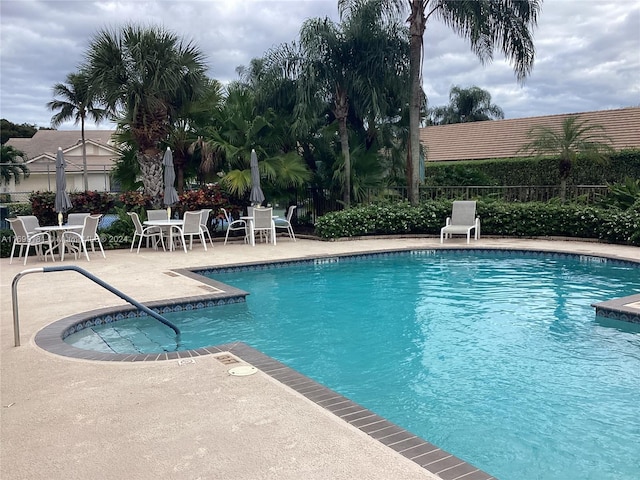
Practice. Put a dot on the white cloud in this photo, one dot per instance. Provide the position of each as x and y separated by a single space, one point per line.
587 51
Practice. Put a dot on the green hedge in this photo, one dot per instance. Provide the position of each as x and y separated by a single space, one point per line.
497 218
531 171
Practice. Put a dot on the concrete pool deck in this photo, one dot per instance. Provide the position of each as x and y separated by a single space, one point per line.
64 418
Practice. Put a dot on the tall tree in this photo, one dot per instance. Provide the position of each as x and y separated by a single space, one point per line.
574 138
77 103
487 24
240 128
466 105
353 65
145 76
11 130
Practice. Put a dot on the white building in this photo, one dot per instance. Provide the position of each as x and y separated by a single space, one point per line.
40 157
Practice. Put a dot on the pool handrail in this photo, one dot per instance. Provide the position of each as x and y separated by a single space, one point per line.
90 276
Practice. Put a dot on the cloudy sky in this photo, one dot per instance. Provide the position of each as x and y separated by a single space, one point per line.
587 51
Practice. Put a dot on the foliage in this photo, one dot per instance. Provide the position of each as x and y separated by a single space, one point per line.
76 103
136 199
146 76
460 174
575 137
11 167
497 218
352 64
488 25
11 130
625 195
43 204
465 105
538 171
6 241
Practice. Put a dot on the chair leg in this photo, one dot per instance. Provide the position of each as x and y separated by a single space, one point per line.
13 248
100 245
83 246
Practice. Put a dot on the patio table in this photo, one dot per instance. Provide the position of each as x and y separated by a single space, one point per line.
166 224
59 235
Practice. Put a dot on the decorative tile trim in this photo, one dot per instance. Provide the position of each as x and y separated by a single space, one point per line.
619 309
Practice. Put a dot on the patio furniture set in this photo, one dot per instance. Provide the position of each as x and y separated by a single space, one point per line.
81 230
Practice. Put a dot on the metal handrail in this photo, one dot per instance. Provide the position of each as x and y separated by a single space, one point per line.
115 291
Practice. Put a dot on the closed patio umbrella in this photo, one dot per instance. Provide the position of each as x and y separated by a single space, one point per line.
256 197
62 202
170 194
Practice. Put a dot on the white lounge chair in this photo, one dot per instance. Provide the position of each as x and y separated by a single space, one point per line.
286 223
462 220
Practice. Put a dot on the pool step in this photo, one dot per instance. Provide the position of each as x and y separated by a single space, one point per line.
127 338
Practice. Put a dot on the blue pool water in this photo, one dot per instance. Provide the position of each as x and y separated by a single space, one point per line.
497 358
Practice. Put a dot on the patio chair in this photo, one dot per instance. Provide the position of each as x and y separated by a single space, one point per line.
22 238
204 223
76 218
263 225
234 226
88 234
156 215
150 233
191 227
462 220
30 222
285 223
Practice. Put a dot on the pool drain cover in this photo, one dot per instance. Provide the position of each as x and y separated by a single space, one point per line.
242 371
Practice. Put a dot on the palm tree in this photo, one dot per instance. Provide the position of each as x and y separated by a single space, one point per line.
239 128
145 77
574 138
355 66
466 105
76 102
487 24
10 166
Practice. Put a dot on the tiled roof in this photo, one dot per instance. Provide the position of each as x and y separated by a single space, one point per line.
48 141
503 138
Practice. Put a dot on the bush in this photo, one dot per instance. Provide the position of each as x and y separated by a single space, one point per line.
534 171
497 218
6 241
43 204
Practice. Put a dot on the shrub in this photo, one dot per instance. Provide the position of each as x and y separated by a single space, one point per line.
534 219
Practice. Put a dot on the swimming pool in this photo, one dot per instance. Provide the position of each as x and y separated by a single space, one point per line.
496 357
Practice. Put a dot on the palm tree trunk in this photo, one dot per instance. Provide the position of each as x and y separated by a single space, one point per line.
85 176
341 111
151 171
417 22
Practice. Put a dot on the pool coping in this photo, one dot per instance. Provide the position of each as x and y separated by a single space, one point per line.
418 450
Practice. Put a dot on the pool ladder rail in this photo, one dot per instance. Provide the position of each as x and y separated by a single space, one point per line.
115 291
